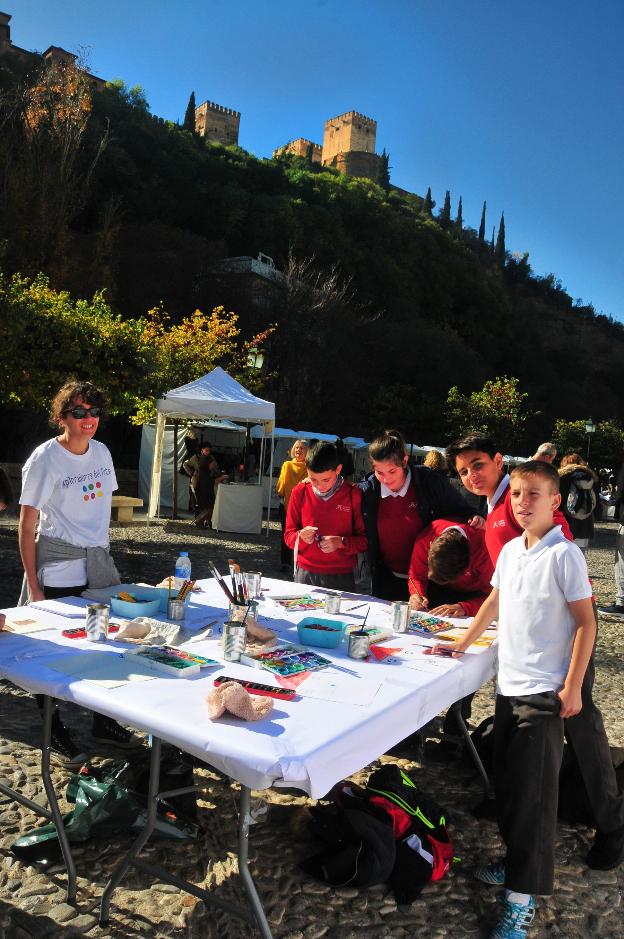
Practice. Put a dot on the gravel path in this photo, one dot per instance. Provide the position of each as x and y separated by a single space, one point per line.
32 902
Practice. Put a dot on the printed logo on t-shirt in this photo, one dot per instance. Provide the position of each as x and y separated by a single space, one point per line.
499 524
412 505
343 508
87 484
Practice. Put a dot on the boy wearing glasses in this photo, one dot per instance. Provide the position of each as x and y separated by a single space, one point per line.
67 487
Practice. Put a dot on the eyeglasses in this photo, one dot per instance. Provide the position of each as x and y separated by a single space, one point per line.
80 412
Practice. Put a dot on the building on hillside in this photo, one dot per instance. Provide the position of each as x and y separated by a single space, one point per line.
54 56
214 122
303 148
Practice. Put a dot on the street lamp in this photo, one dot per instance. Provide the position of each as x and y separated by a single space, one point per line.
590 427
255 358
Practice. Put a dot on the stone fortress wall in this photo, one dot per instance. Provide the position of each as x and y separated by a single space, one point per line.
214 122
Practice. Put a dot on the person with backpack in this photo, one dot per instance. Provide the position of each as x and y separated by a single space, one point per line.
579 487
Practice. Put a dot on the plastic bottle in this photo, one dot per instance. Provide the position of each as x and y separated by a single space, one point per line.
182 569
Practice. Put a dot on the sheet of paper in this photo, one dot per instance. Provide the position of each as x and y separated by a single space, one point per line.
108 670
68 606
416 659
22 625
341 689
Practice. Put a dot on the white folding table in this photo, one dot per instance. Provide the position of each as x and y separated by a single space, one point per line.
307 743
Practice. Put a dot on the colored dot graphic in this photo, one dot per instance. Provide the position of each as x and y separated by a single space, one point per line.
86 498
98 485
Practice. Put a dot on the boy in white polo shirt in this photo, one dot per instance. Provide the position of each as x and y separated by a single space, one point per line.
542 601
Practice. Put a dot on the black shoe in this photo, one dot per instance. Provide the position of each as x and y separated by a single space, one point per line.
63 750
607 851
107 731
615 611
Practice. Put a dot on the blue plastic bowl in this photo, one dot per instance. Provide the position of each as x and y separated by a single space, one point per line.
143 607
325 638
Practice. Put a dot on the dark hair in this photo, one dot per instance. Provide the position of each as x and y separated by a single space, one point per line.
572 459
65 398
6 490
537 468
388 446
470 442
449 556
322 457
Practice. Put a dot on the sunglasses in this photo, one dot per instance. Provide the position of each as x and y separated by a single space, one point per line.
80 412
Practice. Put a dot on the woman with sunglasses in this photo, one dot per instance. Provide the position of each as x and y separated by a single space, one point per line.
67 487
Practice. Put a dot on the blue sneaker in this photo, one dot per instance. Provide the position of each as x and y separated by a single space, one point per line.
513 919
493 874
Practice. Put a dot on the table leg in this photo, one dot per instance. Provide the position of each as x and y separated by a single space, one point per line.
243 868
455 710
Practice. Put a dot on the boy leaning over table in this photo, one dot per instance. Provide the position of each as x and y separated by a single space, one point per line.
541 598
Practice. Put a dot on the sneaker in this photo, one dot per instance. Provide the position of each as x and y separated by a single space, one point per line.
513 919
493 874
607 850
615 611
108 731
63 750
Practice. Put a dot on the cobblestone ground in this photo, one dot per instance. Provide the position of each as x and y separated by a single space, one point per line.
32 902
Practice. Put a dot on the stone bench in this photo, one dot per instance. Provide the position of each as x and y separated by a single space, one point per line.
123 509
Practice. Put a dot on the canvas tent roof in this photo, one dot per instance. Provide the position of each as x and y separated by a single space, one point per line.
216 395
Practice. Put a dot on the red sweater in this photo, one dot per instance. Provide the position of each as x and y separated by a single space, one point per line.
398 523
340 515
475 579
501 526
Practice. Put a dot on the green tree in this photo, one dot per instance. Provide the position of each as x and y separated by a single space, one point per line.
428 204
605 444
189 115
499 411
383 171
445 215
459 221
482 225
499 250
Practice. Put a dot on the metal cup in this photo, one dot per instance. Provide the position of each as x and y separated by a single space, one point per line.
234 638
399 616
97 622
253 583
332 603
175 609
236 612
359 645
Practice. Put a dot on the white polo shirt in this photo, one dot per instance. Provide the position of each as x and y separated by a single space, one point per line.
536 627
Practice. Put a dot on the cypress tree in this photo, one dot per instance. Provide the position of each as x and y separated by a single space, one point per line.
189 114
482 225
499 251
445 215
460 219
383 171
428 204
493 235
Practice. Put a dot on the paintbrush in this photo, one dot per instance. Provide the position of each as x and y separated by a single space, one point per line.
361 631
224 587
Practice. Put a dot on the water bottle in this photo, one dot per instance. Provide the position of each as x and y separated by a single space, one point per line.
182 569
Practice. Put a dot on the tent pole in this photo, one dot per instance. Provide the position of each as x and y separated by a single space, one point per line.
154 496
174 480
270 477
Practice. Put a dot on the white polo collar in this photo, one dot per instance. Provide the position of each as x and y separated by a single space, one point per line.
553 534
501 488
385 492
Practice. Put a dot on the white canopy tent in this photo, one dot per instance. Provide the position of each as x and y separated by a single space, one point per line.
215 396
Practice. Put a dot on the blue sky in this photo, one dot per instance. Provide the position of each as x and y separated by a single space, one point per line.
516 103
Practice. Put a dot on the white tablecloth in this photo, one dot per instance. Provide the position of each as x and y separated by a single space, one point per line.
238 508
306 743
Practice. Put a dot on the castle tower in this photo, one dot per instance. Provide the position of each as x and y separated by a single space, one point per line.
301 147
348 132
5 32
214 122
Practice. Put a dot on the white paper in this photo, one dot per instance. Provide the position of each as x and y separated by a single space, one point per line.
23 625
416 659
326 687
69 606
108 670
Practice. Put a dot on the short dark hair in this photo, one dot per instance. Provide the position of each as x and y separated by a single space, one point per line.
470 442
6 490
388 446
322 457
66 397
537 468
449 556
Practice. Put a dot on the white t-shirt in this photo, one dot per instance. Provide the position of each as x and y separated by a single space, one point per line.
536 627
73 494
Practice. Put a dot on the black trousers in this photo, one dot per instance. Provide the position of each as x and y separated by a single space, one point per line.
586 735
388 587
528 748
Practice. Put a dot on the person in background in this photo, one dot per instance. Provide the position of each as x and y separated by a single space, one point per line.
324 525
6 498
615 611
579 497
67 487
436 462
293 471
546 453
399 500
205 474
346 460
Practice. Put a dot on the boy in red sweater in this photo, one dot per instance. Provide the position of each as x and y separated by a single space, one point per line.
324 524
480 468
450 570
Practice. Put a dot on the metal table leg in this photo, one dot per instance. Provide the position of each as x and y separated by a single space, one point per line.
255 916
54 813
455 710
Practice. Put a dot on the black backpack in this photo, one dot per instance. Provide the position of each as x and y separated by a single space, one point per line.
581 501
